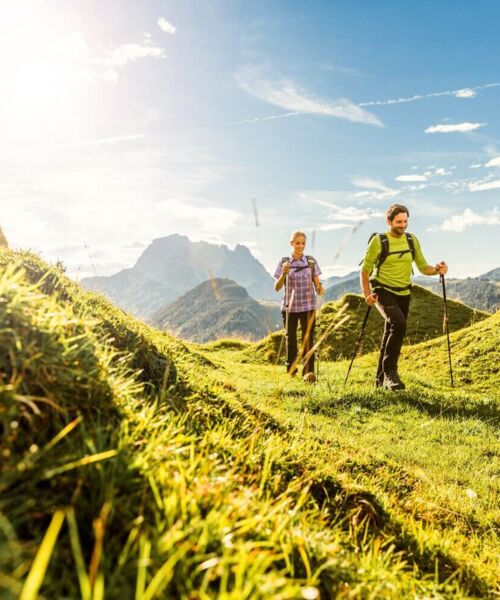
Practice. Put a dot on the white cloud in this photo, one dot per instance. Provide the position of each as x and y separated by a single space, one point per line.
90 197
415 188
432 171
334 226
494 162
254 247
372 184
122 55
465 93
460 127
475 166
208 218
270 118
457 223
482 186
343 213
165 26
461 93
288 95
378 191
411 178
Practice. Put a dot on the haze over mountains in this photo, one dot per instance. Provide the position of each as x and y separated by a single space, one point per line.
172 265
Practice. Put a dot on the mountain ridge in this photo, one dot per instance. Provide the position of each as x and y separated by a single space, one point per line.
172 265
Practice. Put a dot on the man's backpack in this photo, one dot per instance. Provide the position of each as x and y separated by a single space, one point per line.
384 253
310 264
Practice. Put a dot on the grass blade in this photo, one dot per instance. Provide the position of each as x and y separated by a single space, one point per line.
142 567
86 460
39 567
83 579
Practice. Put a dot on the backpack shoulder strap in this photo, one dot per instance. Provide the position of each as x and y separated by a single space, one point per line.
384 252
311 263
411 244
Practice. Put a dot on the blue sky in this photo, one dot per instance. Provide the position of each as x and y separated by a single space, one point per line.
122 122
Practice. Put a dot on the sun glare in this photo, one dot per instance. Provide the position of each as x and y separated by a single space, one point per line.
40 63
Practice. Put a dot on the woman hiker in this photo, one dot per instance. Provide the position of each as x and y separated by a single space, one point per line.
386 283
300 276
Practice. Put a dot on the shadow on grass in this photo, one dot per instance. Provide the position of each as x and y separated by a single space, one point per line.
353 507
436 405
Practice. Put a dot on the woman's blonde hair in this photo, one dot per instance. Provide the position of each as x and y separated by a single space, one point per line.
295 234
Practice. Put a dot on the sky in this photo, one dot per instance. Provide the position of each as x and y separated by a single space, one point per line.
238 122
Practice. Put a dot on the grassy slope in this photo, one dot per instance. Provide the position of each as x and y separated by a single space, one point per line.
432 453
204 494
425 322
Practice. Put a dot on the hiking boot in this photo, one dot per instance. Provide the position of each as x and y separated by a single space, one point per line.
309 378
393 382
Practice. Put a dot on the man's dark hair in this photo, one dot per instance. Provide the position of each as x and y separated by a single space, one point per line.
394 210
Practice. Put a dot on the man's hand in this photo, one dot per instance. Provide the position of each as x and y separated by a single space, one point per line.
371 300
441 268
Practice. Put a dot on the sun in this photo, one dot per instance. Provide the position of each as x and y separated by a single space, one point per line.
40 67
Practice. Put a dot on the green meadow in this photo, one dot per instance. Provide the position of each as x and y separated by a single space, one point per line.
138 466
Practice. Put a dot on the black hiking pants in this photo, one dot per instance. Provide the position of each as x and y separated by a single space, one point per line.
394 308
307 321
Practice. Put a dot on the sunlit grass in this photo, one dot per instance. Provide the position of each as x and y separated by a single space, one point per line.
175 472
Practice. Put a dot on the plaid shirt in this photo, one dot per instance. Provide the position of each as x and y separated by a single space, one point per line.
300 280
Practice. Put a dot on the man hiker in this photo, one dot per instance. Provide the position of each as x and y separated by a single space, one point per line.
300 276
386 283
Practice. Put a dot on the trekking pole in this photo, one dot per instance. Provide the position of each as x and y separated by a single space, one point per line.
358 343
288 306
317 355
318 313
446 326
